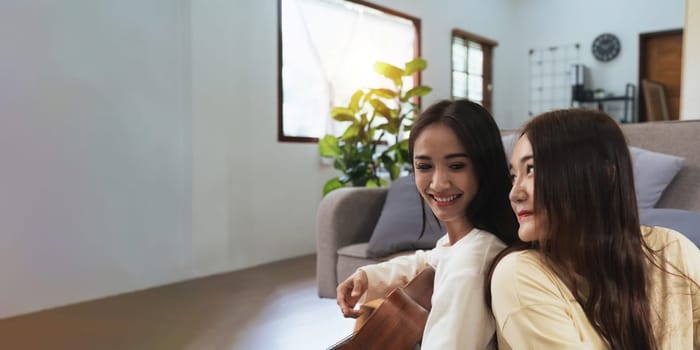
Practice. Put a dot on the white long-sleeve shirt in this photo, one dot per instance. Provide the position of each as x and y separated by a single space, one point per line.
459 318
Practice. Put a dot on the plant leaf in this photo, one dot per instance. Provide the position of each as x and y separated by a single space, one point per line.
332 184
390 71
339 164
417 64
351 132
328 147
372 183
385 93
393 126
355 101
384 126
420 90
403 145
343 114
381 108
394 171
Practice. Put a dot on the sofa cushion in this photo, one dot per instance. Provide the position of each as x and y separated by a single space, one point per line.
684 221
354 256
399 224
358 250
653 172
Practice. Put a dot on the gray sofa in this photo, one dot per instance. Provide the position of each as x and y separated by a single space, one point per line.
346 217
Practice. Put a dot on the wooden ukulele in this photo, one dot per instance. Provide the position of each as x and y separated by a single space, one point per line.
398 320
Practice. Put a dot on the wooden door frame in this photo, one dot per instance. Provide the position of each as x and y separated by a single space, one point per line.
643 38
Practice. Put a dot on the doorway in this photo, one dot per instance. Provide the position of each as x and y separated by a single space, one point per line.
660 55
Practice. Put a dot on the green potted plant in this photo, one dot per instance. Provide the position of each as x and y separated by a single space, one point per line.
376 120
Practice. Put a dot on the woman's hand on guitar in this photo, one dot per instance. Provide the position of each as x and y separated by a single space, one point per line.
350 291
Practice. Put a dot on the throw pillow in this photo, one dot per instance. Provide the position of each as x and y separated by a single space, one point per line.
399 224
509 143
653 172
683 221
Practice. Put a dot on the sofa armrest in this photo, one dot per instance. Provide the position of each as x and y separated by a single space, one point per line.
345 216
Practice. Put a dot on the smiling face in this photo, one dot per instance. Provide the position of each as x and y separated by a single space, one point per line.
522 199
445 176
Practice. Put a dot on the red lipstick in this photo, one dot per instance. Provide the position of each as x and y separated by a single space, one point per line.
523 214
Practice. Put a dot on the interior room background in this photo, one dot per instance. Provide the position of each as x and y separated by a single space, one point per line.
138 139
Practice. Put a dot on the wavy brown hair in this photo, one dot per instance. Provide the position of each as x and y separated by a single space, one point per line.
584 183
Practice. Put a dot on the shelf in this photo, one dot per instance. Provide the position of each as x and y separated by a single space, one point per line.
606 98
628 99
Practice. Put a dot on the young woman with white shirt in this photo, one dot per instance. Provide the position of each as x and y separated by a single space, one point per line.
460 172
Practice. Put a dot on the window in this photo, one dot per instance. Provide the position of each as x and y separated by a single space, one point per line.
472 58
326 52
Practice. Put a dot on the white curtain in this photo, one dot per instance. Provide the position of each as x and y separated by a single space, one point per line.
329 48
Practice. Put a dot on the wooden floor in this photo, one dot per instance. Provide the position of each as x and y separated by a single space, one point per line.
272 306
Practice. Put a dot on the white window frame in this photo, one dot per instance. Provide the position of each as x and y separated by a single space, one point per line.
486 70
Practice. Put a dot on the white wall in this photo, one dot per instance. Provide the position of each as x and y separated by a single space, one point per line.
543 23
254 198
95 149
690 88
139 138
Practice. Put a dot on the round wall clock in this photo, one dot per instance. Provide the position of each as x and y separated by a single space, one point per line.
605 47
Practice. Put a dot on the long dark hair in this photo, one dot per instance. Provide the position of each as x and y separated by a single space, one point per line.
585 186
477 130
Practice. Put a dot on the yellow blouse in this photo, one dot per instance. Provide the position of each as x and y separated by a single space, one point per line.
534 309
